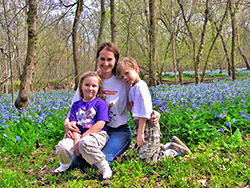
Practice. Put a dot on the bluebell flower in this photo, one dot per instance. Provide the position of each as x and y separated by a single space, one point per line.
244 115
222 115
228 124
156 102
18 138
193 105
5 135
5 126
221 129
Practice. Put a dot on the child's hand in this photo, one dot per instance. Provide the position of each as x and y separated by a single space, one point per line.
76 147
140 140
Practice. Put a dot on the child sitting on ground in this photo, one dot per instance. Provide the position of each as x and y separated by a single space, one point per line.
147 136
90 115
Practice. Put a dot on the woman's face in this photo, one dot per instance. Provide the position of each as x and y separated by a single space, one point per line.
106 62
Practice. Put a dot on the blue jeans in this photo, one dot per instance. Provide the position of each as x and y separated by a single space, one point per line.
119 141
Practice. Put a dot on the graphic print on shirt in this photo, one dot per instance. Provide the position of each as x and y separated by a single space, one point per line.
85 117
104 95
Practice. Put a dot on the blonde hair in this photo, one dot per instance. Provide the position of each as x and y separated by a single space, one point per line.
89 74
126 63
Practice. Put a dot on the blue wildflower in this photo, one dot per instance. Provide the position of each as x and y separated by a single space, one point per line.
221 129
222 115
228 124
5 135
18 138
244 115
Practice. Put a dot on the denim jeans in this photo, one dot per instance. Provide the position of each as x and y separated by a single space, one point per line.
119 141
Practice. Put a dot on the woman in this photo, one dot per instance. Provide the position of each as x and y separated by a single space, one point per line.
115 93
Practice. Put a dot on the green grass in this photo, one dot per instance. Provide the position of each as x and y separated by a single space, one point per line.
208 166
212 119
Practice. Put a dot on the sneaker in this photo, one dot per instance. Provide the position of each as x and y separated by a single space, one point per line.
169 153
106 182
178 141
60 169
105 169
178 148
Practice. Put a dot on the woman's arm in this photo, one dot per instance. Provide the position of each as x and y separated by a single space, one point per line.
69 128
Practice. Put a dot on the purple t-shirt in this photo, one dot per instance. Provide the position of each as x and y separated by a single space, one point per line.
86 114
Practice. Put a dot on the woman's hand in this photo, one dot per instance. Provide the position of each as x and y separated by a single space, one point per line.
155 118
69 128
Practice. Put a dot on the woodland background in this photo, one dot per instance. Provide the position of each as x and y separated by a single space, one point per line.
44 40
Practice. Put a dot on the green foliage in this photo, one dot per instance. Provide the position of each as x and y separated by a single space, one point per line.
217 134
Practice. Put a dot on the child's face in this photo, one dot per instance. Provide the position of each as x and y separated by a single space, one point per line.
130 76
90 87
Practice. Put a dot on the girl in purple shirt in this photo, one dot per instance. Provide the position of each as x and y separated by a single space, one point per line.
90 115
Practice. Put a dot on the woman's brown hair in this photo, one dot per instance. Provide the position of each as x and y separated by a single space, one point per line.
110 46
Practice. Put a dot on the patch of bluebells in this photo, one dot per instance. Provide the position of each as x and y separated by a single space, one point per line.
41 105
219 99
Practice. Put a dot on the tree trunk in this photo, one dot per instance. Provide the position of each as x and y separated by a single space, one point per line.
101 28
244 58
226 54
213 43
79 11
234 36
152 41
174 58
26 77
196 56
179 71
201 47
112 21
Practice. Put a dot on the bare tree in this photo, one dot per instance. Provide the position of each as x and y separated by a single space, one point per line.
24 90
112 21
218 31
244 57
152 41
233 7
101 27
196 54
78 13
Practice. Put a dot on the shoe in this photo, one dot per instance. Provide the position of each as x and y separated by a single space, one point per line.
178 148
169 153
106 181
55 173
61 169
178 141
105 169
